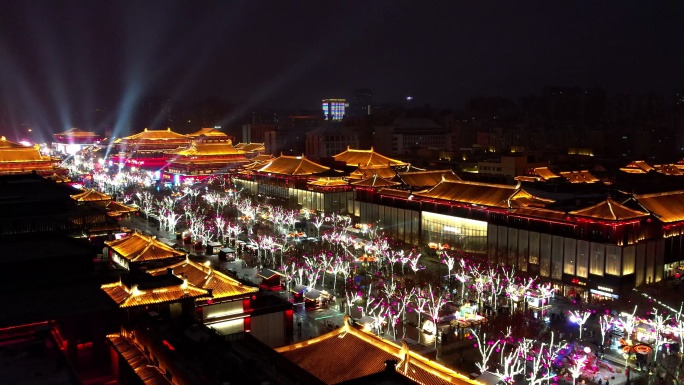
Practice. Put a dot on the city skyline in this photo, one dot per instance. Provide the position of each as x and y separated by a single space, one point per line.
68 58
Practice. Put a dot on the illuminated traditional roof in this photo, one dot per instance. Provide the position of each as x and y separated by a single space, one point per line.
427 178
293 165
375 181
116 209
669 169
637 167
208 149
542 213
545 173
492 195
91 195
583 176
58 178
154 135
365 158
77 133
363 172
139 248
405 194
205 277
134 296
250 147
329 182
11 152
609 210
667 206
209 131
358 354
262 158
145 369
522 198
4 144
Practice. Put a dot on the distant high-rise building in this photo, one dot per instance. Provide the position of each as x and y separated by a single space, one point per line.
333 109
361 102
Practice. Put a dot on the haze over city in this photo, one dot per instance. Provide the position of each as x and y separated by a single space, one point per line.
62 62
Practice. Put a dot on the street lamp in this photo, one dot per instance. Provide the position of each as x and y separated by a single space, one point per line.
580 319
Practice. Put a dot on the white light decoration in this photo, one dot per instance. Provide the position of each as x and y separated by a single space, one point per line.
579 319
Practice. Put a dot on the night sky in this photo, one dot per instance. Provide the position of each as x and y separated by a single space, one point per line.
62 58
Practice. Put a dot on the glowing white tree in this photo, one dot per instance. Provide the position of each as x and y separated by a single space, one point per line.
434 305
393 256
660 321
220 223
512 363
145 202
351 299
487 348
577 367
462 276
580 319
605 323
629 324
540 362
318 222
409 258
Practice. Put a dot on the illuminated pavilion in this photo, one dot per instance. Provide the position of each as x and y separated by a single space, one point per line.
74 140
146 149
288 178
15 158
201 160
366 158
139 249
348 353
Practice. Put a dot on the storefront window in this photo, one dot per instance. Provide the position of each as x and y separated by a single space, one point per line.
597 258
582 259
467 234
613 260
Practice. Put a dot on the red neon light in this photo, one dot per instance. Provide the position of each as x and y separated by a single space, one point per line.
168 345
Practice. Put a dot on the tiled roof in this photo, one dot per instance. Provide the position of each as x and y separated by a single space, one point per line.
4 143
133 296
58 178
138 248
541 213
668 206
155 135
293 165
250 147
208 149
76 133
365 158
492 195
329 182
637 167
262 158
669 169
395 193
428 178
609 210
545 173
362 172
138 361
115 208
522 198
91 195
208 131
359 354
583 176
21 154
375 181
205 277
